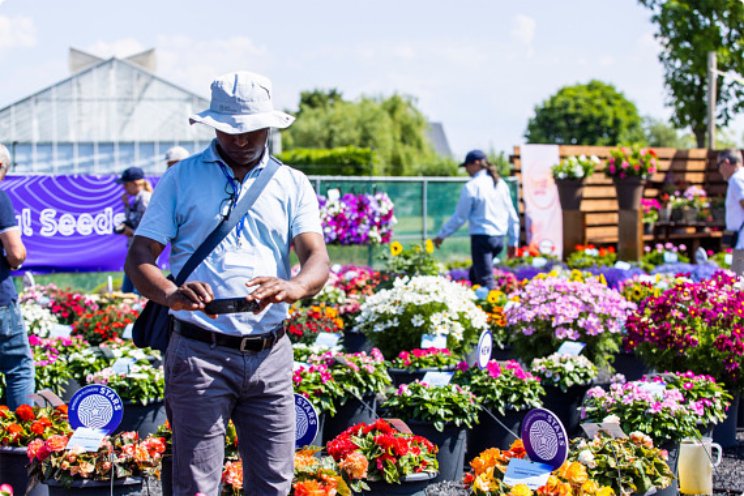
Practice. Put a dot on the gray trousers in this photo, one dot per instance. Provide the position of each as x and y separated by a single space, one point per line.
207 385
737 264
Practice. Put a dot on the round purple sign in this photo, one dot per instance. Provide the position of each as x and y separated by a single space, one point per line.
306 419
545 437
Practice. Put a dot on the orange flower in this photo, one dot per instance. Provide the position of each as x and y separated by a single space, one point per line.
573 472
62 409
487 459
516 450
305 458
355 465
56 443
40 426
3 411
309 488
25 413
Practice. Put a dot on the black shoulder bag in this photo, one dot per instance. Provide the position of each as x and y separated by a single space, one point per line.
152 327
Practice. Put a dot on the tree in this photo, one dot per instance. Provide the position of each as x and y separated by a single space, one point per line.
586 114
392 127
687 31
662 134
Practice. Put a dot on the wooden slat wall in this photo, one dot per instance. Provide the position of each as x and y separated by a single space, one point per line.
675 167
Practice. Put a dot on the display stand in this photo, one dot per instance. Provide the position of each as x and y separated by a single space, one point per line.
630 235
574 230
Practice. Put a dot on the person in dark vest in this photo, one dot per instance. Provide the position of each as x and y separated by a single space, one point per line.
16 361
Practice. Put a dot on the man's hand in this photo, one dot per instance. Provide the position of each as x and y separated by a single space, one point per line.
125 198
511 251
192 296
274 290
438 241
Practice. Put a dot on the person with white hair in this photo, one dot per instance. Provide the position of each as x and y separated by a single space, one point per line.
731 168
226 360
175 154
16 362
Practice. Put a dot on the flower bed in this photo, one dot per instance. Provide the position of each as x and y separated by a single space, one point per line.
357 219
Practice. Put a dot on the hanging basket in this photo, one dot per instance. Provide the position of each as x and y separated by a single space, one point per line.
629 192
570 192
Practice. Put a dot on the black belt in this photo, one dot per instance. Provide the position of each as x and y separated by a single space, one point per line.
257 342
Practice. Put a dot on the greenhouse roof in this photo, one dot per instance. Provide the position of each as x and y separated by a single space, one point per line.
114 100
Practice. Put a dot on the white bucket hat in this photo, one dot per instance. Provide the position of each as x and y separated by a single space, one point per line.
241 103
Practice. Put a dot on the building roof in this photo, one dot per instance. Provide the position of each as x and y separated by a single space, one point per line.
439 139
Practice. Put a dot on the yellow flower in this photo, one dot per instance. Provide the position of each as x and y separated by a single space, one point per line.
494 296
396 248
602 279
429 246
520 490
484 481
589 487
573 472
605 491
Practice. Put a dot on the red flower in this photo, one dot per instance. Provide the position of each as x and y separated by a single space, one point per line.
40 426
25 413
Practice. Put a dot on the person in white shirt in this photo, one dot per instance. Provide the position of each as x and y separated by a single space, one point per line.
486 204
731 168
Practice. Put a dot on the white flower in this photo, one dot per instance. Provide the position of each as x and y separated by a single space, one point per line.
611 419
417 320
586 458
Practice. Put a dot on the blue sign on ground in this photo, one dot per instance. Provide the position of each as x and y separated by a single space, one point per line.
96 407
545 437
307 421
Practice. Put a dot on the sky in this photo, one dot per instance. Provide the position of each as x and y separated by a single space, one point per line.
478 67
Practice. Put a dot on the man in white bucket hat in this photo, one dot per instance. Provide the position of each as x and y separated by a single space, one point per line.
238 364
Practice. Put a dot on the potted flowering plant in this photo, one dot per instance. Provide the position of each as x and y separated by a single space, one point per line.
39 319
552 310
569 175
532 257
51 363
68 306
586 256
662 254
508 391
396 319
409 366
493 302
357 283
316 383
361 377
629 169
357 219
415 260
104 324
381 456
319 475
486 477
695 326
304 323
651 208
566 378
723 258
72 472
630 465
440 414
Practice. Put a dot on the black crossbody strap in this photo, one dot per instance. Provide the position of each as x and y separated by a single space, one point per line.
227 225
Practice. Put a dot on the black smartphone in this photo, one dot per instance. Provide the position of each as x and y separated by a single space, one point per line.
231 305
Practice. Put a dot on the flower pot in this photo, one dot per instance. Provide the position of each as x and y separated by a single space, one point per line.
319 438
503 354
72 387
145 419
648 228
672 448
130 485
740 422
570 192
13 463
488 433
689 215
630 366
725 432
350 413
410 485
676 215
354 342
166 474
719 216
451 444
566 405
406 376
665 214
629 192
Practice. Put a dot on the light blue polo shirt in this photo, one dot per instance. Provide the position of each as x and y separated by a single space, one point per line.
187 205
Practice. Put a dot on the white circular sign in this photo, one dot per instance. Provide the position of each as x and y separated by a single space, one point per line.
485 347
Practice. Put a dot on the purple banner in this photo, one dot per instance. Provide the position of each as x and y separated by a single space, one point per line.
67 222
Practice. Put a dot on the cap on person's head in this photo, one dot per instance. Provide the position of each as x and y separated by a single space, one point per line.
176 154
472 156
131 174
241 103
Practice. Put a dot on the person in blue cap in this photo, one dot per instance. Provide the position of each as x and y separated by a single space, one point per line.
136 198
486 204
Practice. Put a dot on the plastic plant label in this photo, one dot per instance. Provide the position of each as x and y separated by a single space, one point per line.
485 347
728 258
333 194
670 257
655 388
622 265
539 262
306 418
611 429
437 378
531 474
127 334
573 348
327 339
51 398
434 341
121 365
60 331
86 439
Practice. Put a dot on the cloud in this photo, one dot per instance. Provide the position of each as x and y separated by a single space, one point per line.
17 32
523 29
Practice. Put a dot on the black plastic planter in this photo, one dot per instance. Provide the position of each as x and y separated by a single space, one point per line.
411 485
490 434
122 487
13 463
451 443
350 413
143 419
